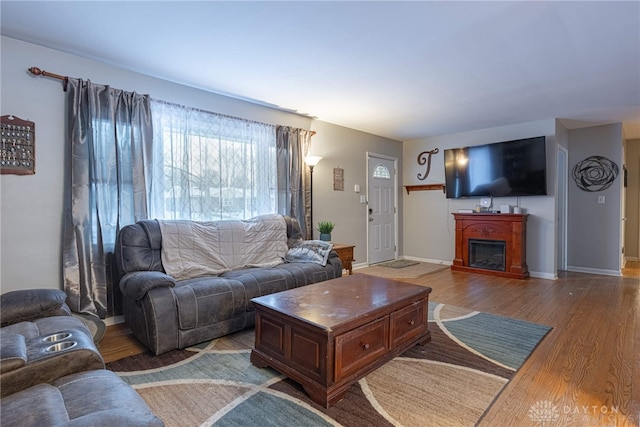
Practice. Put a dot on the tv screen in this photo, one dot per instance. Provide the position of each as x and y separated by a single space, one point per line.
502 169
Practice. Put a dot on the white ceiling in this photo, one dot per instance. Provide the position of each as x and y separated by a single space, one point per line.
403 70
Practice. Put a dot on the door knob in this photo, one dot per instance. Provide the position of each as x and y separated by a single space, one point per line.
370 219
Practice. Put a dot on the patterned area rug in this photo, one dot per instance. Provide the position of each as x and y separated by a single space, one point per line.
451 381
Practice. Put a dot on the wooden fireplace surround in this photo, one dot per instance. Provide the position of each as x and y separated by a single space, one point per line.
509 228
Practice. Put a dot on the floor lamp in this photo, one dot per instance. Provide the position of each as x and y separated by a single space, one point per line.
311 161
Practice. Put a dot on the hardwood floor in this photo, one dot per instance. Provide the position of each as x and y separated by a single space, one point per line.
118 342
586 372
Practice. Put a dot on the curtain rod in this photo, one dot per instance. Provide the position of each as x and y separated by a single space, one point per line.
38 72
65 81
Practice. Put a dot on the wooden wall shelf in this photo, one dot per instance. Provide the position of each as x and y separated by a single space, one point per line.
424 187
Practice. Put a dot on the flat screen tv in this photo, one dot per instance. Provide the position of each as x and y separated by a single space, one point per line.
502 169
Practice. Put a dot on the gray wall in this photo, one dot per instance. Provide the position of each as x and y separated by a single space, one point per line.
632 206
594 239
31 206
347 149
429 227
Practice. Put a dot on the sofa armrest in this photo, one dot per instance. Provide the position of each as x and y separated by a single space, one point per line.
136 285
29 304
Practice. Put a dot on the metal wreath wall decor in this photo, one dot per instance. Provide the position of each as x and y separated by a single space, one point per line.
595 173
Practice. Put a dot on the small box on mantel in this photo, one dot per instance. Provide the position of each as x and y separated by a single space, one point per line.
465 210
505 209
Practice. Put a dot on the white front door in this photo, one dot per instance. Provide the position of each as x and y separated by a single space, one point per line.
381 191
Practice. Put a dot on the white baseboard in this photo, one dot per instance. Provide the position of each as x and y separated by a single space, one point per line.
594 271
429 260
360 265
540 275
114 320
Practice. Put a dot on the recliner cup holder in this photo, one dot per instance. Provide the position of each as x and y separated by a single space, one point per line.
58 337
63 345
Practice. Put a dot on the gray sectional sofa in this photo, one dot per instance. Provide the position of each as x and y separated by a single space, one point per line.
175 296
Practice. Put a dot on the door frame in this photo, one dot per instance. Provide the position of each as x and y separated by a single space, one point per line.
562 192
369 155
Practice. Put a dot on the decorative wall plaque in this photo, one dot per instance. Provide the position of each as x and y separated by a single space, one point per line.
338 179
18 149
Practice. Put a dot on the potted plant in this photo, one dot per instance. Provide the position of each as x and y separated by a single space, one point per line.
325 228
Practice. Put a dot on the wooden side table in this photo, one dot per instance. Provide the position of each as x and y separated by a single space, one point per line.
345 252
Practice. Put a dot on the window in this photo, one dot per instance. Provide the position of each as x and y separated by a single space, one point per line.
210 167
381 172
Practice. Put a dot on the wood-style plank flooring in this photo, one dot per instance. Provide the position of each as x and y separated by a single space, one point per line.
586 372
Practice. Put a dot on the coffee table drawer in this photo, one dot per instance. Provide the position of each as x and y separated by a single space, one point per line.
360 347
409 322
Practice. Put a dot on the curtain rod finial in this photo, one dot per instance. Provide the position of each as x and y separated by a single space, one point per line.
36 71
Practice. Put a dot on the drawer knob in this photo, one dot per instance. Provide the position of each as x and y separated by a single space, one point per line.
365 346
412 322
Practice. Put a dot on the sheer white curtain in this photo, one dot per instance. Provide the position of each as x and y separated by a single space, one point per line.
210 166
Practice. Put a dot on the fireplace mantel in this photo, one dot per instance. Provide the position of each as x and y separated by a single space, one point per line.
508 228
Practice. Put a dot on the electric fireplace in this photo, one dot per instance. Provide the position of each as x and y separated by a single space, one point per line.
490 243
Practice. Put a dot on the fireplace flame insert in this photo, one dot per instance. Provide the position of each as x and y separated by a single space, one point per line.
487 254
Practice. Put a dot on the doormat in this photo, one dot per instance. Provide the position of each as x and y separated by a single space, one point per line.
398 263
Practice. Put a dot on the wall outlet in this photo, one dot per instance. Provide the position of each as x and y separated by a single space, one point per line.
363 199
601 200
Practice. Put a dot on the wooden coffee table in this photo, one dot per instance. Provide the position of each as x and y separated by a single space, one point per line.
328 335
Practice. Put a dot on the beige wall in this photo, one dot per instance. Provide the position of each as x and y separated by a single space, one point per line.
347 149
31 206
429 227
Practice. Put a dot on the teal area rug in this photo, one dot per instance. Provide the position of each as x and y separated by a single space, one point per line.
451 381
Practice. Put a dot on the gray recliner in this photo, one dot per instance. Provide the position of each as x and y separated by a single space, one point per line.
51 371
40 341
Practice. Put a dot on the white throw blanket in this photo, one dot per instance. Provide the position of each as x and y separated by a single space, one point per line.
194 249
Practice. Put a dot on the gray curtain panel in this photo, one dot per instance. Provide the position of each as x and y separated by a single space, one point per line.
110 135
294 190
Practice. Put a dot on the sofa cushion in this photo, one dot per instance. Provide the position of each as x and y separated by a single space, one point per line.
309 273
195 249
29 304
207 300
262 281
94 398
138 247
46 326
